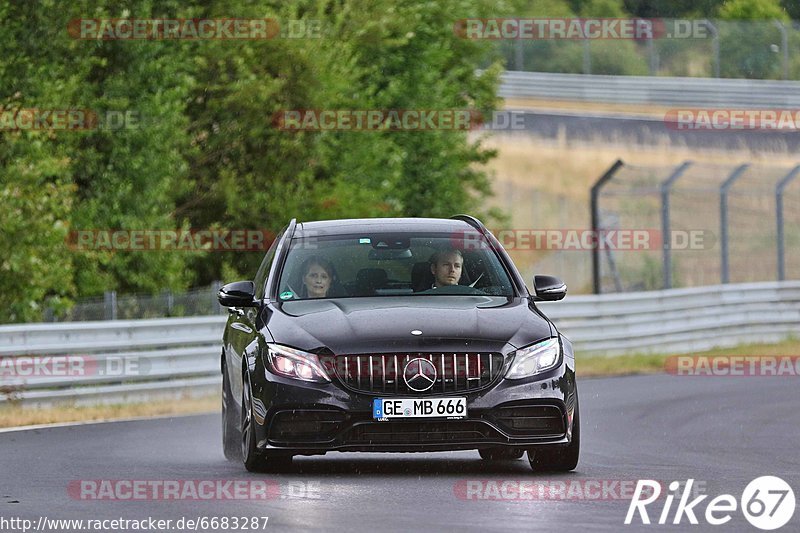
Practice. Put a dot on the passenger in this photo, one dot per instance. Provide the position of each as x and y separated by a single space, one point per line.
446 267
318 276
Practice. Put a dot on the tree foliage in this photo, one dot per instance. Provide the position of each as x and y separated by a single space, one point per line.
205 152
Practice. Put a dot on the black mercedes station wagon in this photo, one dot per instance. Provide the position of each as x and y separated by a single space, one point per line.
395 335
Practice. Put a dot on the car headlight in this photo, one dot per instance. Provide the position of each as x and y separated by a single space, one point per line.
535 359
296 364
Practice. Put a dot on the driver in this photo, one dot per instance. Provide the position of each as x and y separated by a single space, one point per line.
446 267
318 275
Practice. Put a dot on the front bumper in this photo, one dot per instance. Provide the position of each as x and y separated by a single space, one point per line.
314 418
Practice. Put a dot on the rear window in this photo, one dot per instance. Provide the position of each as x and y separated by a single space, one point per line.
392 264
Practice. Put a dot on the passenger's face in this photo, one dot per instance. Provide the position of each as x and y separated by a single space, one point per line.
448 270
317 282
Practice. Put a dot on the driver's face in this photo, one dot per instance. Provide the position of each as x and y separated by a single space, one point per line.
317 282
448 270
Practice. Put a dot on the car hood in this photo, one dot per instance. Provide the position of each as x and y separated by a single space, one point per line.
384 324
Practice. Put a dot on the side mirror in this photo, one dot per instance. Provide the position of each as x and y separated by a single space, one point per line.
549 288
237 294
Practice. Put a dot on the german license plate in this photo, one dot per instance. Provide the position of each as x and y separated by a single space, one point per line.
386 408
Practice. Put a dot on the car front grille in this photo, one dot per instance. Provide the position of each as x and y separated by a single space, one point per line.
449 431
383 373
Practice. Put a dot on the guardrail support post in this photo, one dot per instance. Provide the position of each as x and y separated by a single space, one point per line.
723 217
666 235
110 304
595 193
782 184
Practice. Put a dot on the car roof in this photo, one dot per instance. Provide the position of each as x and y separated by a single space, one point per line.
365 225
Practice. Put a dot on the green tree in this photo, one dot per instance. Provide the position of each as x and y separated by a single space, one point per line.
36 191
35 201
748 38
205 152
756 10
397 55
52 182
129 177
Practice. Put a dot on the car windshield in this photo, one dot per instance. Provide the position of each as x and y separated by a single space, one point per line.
396 264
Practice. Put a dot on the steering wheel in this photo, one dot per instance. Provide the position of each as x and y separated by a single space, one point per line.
453 289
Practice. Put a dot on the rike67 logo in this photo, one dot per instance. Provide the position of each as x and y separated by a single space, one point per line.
767 503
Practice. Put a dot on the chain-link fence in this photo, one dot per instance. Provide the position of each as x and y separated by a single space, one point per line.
110 306
688 225
696 48
704 224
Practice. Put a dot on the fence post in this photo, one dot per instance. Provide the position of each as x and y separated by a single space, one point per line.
782 184
723 216
784 47
519 58
595 193
666 235
587 57
110 304
651 55
714 44
216 309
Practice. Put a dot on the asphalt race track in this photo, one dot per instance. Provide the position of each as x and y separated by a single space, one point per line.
627 129
723 432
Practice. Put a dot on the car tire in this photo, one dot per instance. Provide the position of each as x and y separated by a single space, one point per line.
255 461
230 433
562 459
501 454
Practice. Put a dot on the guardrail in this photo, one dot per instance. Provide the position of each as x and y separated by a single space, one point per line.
134 360
115 361
679 320
686 92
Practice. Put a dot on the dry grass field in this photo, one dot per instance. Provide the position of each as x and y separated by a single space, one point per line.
545 183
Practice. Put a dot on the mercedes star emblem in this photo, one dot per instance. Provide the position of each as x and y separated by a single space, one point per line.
419 374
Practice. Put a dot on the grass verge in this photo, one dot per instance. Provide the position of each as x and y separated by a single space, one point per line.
591 107
627 365
13 416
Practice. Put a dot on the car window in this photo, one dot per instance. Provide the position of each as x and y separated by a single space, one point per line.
395 264
260 280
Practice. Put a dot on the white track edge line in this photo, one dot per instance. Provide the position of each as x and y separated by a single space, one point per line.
101 421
